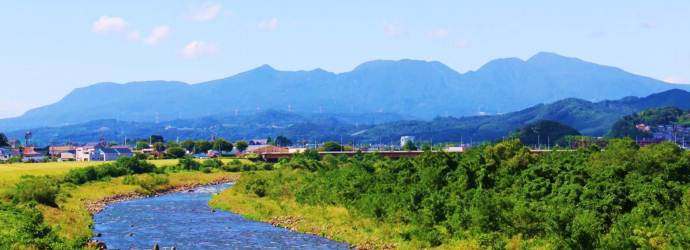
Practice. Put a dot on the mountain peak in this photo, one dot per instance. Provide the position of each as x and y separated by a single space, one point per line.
402 65
552 58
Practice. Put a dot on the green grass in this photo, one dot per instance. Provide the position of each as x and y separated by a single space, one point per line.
10 174
71 218
333 222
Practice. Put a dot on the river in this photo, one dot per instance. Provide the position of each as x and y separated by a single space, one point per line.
185 220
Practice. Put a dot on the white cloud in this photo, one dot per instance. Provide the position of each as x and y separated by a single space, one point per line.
133 36
676 80
206 12
196 49
106 24
157 35
392 29
269 24
439 33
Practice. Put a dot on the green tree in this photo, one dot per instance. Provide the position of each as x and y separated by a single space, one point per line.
409 146
331 146
159 147
175 152
222 145
282 141
202 146
142 145
3 140
241 145
188 145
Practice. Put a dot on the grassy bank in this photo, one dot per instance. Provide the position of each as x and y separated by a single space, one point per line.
72 220
10 174
44 206
333 222
498 196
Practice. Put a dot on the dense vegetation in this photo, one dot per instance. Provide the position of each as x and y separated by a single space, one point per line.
501 195
626 127
545 132
22 224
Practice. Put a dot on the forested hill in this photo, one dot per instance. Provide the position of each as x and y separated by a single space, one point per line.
643 124
410 87
589 118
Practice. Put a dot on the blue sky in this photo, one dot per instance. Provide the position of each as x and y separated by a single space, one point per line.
49 48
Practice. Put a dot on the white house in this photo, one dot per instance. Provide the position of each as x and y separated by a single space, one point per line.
95 153
5 154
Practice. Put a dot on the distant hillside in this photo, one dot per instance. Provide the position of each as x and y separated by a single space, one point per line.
545 132
648 120
260 125
589 118
413 88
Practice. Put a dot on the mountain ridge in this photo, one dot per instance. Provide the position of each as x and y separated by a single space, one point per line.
417 88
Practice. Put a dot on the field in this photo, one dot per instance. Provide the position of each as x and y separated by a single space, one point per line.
10 174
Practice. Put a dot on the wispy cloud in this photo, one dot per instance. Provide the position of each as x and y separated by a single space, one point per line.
269 24
157 35
206 12
196 49
439 33
393 29
106 24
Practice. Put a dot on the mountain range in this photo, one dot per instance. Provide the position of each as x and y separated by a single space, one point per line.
412 88
589 118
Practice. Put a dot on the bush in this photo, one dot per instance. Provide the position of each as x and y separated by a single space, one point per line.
212 163
175 152
257 186
22 227
188 163
232 168
40 189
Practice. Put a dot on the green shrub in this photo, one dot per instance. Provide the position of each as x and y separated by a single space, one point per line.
40 189
188 163
22 227
212 163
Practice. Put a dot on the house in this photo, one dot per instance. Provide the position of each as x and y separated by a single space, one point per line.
31 154
6 154
106 154
70 155
123 151
56 151
98 152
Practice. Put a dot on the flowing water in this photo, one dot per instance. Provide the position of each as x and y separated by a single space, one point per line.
184 220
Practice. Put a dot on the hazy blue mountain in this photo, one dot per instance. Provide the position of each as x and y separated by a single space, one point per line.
589 118
415 88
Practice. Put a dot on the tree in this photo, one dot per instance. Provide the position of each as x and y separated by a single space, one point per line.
241 145
156 138
175 152
3 140
409 146
282 141
222 145
202 146
159 147
188 145
142 145
545 132
332 146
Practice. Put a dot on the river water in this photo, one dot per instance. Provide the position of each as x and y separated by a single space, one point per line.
184 220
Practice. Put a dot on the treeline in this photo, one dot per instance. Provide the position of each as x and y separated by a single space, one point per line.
622 197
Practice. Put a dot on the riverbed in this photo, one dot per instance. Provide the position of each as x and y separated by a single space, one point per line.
184 220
